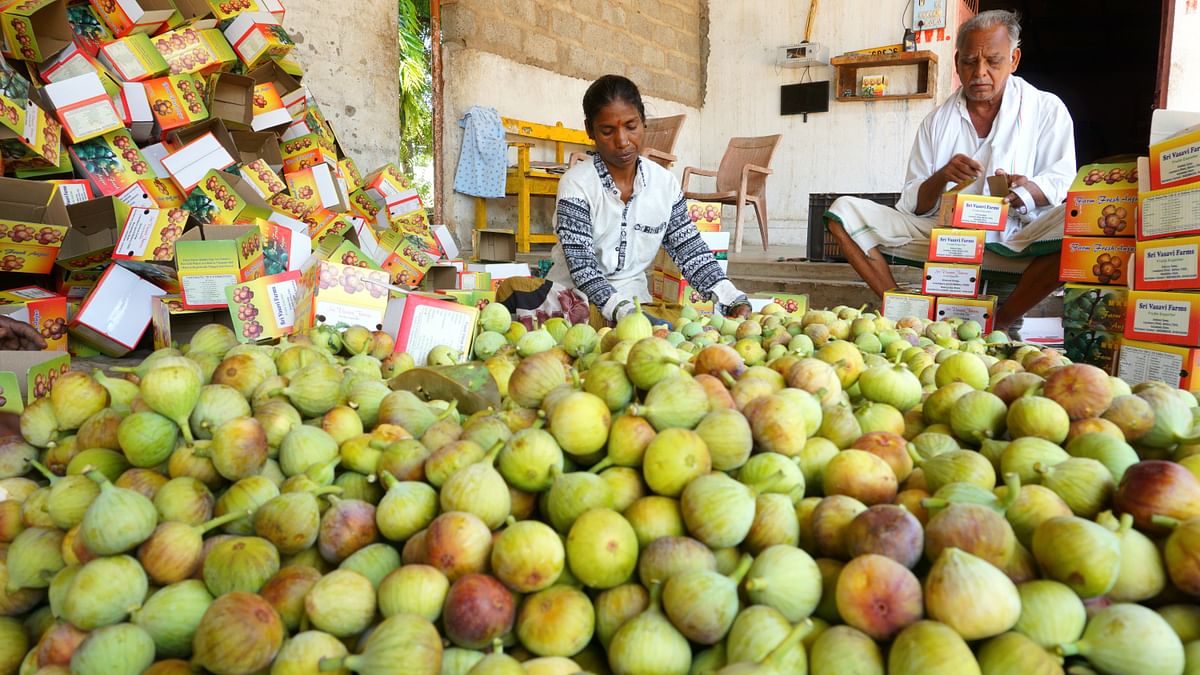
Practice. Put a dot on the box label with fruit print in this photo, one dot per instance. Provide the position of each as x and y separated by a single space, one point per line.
30 138
706 216
149 234
31 248
332 293
1102 201
111 163
1096 347
1095 260
1168 264
264 308
1087 305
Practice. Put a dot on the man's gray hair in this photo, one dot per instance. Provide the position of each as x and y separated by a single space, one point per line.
989 20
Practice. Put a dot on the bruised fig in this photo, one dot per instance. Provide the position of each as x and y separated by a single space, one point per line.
457 543
1132 415
878 596
1157 488
478 609
239 564
887 530
239 633
286 590
346 526
528 556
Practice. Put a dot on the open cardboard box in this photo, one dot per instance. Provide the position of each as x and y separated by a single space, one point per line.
270 114
191 163
134 16
175 326
257 37
37 208
222 198
495 246
228 255
75 276
252 145
176 101
318 186
46 312
35 30
115 315
231 100
289 90
70 62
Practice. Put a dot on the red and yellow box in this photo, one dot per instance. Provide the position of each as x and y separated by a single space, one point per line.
679 292
1168 264
957 245
1170 212
1096 260
981 310
305 151
75 276
111 163
224 199
1139 362
195 51
18 118
1161 316
134 16
46 312
134 58
332 293
1095 347
33 224
1093 306
951 279
264 180
34 30
898 305
148 235
176 101
1176 160
1102 202
973 212
257 37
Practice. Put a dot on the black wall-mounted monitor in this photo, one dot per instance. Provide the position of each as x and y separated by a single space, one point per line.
804 98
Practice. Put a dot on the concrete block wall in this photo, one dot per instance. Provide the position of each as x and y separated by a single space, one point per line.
349 52
660 44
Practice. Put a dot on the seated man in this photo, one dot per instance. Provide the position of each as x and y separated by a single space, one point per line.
996 124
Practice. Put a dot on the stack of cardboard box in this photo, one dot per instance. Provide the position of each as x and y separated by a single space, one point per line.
667 282
1100 226
164 164
953 272
1162 326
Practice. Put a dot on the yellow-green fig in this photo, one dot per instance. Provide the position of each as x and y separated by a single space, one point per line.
301 654
649 643
1015 654
415 589
787 579
843 650
239 633
1079 553
1051 613
1128 639
930 648
602 549
971 595
172 390
556 621
341 603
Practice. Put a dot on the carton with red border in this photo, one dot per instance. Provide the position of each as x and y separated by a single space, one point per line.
897 305
1175 161
111 163
1092 346
305 151
46 312
257 37
74 190
957 245
33 225
1169 211
1096 260
951 279
974 212
1102 202
134 16
1168 264
223 198
981 310
76 275
1165 317
190 50
429 322
70 62
176 101
29 136
114 316
319 187
133 58
269 111
287 89
259 175
84 107
148 235
285 245
35 30
1104 307
264 308
191 163
1140 361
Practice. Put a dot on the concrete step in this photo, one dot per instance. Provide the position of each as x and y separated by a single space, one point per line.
812 270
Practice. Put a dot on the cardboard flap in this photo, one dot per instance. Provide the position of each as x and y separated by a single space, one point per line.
97 215
216 127
231 99
252 145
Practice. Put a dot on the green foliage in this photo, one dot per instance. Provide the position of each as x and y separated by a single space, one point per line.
416 89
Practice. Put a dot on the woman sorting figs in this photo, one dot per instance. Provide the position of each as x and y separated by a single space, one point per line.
612 215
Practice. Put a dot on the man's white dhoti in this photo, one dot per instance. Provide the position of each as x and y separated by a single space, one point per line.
906 236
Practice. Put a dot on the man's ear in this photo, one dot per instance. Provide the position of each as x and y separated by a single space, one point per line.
1016 58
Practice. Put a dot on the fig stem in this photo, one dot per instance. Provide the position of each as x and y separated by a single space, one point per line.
743 567
222 520
389 481
97 476
934 503
1012 481
601 465
799 632
756 584
327 664
1164 521
1069 649
1126 522
45 471
490 457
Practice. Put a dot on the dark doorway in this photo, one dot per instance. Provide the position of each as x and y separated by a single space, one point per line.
1101 58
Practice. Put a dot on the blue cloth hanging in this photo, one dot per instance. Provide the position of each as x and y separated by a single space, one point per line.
482 160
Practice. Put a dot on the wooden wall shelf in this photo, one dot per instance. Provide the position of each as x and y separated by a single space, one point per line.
848 67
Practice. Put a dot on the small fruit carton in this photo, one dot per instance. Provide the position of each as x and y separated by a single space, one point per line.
28 376
1175 161
981 310
90 32
951 279
190 50
285 87
193 165
114 316
973 212
225 199
319 186
134 16
332 293
476 299
45 311
1171 318
1102 202
430 322
349 172
269 110
264 308
70 62
388 187
73 190
1093 306
146 238
956 245
33 224
1140 361
1095 260
898 304
134 58
30 137
176 101
111 163
230 98
678 291
285 248
1168 264
257 37
1096 347
259 175
34 30
1167 212
76 275
305 151
228 254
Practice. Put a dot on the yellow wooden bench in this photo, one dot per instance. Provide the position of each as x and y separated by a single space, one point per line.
532 179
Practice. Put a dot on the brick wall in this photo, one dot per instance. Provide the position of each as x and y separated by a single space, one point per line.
662 45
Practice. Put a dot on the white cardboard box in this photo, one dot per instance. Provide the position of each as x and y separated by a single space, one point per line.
84 107
138 116
114 316
70 62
